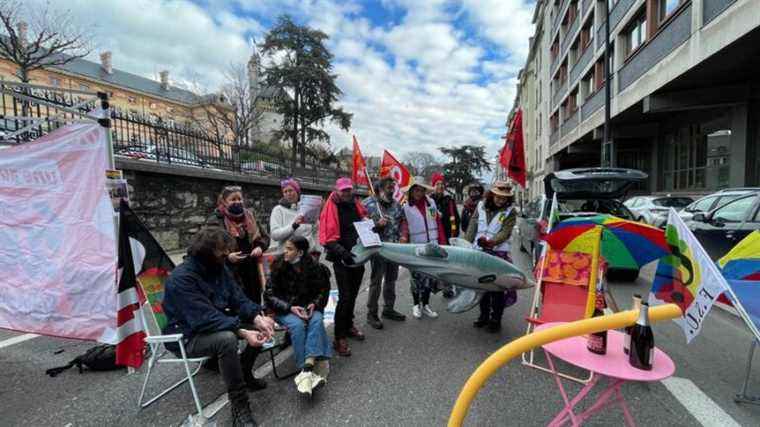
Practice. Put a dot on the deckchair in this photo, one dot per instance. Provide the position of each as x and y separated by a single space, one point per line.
561 296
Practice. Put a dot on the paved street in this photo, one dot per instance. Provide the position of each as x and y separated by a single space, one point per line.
407 374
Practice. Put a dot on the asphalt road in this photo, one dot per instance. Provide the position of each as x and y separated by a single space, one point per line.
409 373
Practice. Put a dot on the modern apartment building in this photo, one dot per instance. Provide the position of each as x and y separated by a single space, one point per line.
685 90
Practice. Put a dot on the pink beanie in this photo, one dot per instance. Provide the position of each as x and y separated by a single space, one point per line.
291 182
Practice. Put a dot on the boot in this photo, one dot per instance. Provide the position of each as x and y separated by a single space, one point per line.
341 347
241 410
480 323
494 326
247 361
356 334
374 321
393 315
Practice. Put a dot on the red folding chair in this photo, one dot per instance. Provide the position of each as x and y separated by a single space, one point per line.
561 296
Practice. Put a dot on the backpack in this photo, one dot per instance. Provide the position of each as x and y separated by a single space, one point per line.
99 358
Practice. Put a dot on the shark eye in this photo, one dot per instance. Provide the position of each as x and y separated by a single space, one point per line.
487 279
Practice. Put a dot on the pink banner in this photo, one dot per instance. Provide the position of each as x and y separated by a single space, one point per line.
57 238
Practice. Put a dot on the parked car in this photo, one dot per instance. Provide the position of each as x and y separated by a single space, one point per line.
711 202
530 228
591 191
722 228
653 210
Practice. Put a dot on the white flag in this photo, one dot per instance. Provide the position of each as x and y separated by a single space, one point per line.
687 277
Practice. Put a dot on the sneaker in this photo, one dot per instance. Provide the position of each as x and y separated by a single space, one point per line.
317 381
305 382
393 315
341 347
429 312
356 334
374 321
417 312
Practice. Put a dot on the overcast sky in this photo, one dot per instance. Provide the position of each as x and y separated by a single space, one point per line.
416 74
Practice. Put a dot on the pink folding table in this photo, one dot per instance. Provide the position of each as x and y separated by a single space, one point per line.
613 365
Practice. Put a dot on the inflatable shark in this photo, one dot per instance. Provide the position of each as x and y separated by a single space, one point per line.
460 266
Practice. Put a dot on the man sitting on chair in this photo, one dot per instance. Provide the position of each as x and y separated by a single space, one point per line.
203 302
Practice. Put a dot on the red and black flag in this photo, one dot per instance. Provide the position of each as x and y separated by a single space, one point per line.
143 262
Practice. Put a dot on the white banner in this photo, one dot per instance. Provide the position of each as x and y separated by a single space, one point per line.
57 237
687 277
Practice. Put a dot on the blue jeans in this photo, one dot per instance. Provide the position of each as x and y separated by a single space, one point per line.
309 339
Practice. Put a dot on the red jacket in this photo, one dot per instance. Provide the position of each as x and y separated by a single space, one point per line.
329 224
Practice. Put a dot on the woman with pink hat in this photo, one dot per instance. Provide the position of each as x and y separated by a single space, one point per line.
285 221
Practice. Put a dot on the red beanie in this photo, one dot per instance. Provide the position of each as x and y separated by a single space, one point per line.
437 177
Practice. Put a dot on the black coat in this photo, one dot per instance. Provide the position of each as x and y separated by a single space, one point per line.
307 282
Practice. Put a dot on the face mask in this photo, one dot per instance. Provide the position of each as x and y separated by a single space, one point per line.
235 209
475 196
296 259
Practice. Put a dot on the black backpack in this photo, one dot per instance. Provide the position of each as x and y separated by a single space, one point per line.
99 358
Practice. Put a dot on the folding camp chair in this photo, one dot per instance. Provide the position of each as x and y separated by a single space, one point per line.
561 296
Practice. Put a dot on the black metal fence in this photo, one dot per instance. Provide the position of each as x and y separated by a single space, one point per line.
145 137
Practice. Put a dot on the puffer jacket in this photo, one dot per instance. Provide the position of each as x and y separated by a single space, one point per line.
301 284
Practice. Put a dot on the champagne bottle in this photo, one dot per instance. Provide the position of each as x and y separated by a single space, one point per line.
597 342
641 354
628 329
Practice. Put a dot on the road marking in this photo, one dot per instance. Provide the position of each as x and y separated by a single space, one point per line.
210 410
15 340
699 405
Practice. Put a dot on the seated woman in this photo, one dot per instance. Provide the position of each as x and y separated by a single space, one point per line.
298 291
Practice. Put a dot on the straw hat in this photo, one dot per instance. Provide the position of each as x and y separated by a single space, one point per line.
501 188
419 181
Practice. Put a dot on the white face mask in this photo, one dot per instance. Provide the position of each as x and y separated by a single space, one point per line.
297 259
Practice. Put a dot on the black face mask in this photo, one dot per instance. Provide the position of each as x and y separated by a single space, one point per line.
235 209
475 196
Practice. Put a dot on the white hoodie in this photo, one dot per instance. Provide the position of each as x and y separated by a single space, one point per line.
281 228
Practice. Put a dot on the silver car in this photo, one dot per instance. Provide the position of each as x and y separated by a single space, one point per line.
653 210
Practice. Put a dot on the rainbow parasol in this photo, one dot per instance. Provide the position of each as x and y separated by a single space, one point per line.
624 244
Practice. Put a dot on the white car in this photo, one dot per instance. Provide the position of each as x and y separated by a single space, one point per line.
653 210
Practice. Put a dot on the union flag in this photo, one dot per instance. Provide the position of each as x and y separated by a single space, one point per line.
396 170
359 175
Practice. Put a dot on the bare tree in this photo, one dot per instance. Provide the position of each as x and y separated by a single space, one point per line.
422 163
38 37
233 113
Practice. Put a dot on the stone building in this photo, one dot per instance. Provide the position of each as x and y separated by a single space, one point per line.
685 91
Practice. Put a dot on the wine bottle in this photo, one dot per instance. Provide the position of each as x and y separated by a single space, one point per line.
641 354
597 342
628 329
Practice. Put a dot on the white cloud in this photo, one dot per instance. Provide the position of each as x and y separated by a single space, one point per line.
443 75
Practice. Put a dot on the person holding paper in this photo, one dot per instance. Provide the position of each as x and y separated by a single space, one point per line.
388 215
251 240
298 291
338 235
422 225
285 221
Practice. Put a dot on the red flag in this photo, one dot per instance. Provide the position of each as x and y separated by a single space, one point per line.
512 156
131 333
359 175
393 168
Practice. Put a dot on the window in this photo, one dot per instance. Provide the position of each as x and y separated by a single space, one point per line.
665 8
587 86
702 205
153 105
55 81
169 110
131 99
636 34
84 87
736 211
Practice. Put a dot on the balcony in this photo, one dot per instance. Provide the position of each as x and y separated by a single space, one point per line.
572 32
676 31
559 94
554 137
581 65
712 8
616 14
558 18
592 104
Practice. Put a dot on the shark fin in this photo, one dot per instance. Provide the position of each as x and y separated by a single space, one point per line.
432 250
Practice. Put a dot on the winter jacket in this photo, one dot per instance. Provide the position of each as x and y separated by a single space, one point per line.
307 282
449 214
470 205
281 223
336 231
393 212
200 301
246 272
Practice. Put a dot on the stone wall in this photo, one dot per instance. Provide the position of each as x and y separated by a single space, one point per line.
174 202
